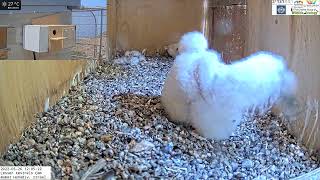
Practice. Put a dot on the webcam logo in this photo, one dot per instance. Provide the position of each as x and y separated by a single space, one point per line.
312 1
281 9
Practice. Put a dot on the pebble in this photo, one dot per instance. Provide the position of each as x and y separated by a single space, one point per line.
32 142
108 153
82 140
106 138
234 166
247 163
240 175
91 145
60 162
81 129
80 98
169 147
78 133
143 146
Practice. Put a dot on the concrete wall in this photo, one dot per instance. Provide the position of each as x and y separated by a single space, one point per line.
152 24
297 38
15 34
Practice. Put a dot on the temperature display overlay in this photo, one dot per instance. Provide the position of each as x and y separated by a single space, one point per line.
10 4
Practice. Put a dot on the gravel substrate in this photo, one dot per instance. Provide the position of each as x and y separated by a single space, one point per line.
115 115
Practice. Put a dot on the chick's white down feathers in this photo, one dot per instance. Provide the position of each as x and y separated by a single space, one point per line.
202 91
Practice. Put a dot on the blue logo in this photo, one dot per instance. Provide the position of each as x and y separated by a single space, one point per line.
281 9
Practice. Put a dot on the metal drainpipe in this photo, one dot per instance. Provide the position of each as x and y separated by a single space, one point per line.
101 25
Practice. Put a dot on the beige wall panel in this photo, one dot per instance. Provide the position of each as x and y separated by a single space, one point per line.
298 39
26 87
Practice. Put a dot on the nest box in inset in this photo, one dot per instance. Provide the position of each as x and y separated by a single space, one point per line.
48 38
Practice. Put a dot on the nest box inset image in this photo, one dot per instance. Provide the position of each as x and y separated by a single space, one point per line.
48 38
